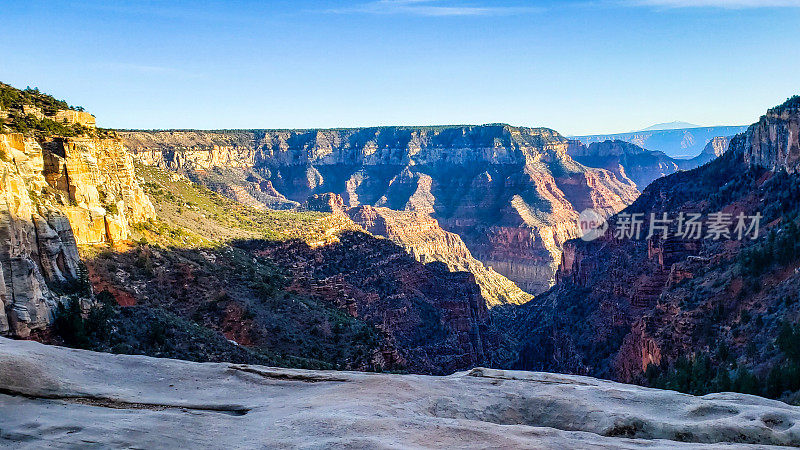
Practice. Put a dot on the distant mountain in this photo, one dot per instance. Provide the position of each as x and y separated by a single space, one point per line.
681 143
626 160
670 126
642 167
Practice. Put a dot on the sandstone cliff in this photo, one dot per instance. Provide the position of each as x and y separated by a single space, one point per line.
66 398
512 194
55 196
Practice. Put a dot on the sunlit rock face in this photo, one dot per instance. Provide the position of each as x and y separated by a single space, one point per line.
426 241
65 398
53 197
512 194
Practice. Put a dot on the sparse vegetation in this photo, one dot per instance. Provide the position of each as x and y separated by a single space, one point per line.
703 374
189 279
778 249
13 98
217 218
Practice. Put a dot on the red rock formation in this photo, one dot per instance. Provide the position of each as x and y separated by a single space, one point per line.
637 351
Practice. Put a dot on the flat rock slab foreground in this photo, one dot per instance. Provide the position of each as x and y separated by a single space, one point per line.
65 398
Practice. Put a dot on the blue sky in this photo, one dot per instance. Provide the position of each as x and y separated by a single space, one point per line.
575 66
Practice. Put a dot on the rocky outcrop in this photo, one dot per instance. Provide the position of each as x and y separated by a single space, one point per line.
426 241
774 141
65 398
97 179
717 146
512 194
53 197
71 116
328 202
26 299
625 160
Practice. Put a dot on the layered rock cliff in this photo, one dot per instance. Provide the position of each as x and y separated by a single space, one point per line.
656 303
642 167
773 142
55 196
512 194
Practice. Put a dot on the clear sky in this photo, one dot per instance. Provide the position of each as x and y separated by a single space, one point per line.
576 66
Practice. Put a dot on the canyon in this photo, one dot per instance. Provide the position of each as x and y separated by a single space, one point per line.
512 194
422 237
684 143
101 252
640 166
410 250
652 303
425 240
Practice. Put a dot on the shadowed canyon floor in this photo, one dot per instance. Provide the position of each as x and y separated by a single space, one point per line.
63 398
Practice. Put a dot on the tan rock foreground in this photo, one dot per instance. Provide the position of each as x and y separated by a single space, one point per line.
59 397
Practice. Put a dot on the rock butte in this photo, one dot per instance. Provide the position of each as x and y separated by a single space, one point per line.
425 240
675 143
630 162
62 397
